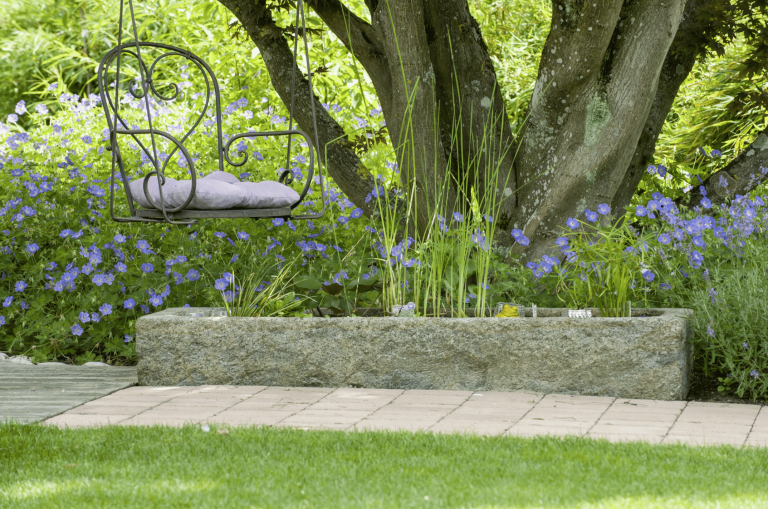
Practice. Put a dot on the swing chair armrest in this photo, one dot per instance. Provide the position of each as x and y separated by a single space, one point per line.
160 172
263 134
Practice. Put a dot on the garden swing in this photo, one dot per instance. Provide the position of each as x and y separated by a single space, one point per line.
220 194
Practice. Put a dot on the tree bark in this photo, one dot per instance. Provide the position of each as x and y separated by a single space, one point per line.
598 77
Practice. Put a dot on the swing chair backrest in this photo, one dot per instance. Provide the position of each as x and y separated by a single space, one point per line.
153 88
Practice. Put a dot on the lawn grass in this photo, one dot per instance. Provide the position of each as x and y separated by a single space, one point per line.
146 467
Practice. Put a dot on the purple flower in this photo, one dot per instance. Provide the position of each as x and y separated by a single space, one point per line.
572 223
129 304
278 221
517 233
105 309
604 209
220 235
242 235
754 374
220 284
711 331
640 211
356 213
147 267
193 275
2 320
20 286
121 267
32 248
745 345
458 217
649 276
664 239
716 153
562 241
77 330
95 317
120 238
21 107
591 216
128 338
523 240
156 301
7 302
84 316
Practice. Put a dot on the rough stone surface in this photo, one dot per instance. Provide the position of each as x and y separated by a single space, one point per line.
644 357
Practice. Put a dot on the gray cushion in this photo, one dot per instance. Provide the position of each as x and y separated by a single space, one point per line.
267 194
218 191
210 194
137 190
223 176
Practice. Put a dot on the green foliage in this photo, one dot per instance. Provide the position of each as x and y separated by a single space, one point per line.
259 298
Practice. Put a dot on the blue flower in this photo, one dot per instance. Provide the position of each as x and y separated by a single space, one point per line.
32 248
66 233
343 219
120 238
356 213
7 302
84 316
664 239
278 221
572 223
105 309
98 279
228 277
591 216
145 309
121 267
147 267
604 209
77 330
562 241
220 235
156 301
58 286
516 233
640 211
242 235
459 218
698 241
193 275
128 338
129 304
95 317
20 286
220 284
754 374
523 240
649 276
716 153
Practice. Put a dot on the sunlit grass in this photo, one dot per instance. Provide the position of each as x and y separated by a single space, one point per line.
164 467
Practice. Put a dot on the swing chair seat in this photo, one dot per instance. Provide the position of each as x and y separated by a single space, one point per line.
219 194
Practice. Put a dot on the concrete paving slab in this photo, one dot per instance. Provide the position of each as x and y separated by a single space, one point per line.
30 393
511 414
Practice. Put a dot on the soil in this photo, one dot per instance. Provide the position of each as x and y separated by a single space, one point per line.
705 389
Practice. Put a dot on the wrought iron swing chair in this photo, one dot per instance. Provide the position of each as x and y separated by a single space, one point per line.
220 194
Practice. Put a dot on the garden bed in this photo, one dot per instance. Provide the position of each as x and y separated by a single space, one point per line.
645 357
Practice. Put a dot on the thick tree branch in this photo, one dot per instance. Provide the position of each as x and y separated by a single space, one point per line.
745 172
342 164
677 65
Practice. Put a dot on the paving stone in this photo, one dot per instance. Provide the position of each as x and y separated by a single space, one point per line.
628 429
542 430
723 439
637 437
472 427
757 439
148 420
83 420
393 425
267 418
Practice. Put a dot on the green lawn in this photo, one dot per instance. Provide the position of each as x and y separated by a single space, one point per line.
162 467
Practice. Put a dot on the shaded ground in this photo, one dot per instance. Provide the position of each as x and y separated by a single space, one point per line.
705 389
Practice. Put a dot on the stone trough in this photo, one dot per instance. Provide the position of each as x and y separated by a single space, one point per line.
647 356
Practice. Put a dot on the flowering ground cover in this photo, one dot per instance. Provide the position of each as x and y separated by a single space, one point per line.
125 467
72 282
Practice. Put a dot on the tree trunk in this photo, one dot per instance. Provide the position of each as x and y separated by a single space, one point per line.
608 76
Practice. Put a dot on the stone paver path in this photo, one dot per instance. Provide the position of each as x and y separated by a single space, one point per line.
487 413
30 393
